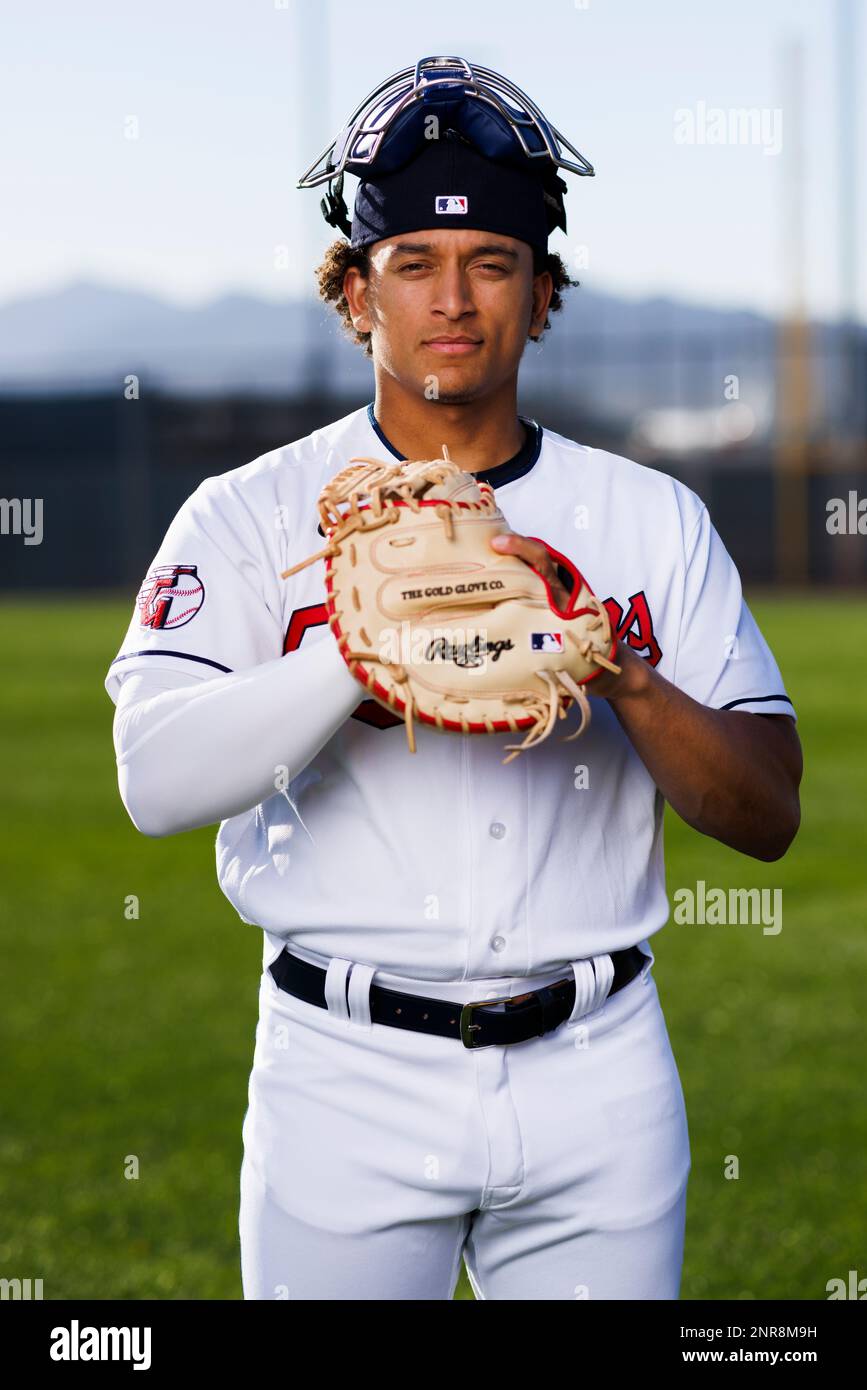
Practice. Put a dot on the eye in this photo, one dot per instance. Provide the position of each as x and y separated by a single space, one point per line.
413 265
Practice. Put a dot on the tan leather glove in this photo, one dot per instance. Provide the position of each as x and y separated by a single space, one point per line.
434 623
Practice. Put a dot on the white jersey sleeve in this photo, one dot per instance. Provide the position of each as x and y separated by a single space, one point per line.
210 602
723 660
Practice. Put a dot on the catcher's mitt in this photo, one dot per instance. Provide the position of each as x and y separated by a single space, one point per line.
437 625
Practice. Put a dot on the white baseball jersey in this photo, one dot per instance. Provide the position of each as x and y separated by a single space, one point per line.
447 865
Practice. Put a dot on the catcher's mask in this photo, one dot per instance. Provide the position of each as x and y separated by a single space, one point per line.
401 116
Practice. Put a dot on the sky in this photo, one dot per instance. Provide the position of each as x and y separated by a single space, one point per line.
157 147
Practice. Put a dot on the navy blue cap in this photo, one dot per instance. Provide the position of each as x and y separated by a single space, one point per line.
450 185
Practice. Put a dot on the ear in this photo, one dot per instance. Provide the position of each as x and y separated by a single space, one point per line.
543 290
355 290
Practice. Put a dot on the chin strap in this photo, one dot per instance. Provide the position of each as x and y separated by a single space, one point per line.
334 208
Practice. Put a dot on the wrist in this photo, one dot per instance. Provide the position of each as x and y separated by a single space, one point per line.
634 678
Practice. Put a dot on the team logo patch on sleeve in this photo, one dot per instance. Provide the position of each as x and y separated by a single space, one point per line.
170 597
451 204
546 642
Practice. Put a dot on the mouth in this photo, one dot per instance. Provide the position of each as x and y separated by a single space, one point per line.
453 347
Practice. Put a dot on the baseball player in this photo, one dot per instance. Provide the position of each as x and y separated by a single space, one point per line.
460 1052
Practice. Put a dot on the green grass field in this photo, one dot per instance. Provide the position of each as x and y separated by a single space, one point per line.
135 1037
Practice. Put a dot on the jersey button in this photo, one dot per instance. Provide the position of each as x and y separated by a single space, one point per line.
498 830
498 943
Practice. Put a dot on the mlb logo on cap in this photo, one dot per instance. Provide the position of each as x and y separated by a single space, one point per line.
451 204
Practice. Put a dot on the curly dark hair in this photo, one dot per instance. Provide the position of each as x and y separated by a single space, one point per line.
340 256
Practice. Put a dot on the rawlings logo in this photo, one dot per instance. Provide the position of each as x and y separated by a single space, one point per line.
466 654
170 596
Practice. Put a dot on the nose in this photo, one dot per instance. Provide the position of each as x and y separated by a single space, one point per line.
453 297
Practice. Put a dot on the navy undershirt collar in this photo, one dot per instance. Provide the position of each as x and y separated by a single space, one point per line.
506 472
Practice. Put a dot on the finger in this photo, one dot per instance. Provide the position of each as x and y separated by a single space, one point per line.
533 552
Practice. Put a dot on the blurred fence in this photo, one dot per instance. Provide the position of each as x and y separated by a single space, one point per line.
111 473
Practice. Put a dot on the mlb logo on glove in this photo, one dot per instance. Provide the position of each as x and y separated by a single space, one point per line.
546 642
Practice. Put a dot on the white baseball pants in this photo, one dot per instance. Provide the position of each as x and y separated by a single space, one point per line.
375 1159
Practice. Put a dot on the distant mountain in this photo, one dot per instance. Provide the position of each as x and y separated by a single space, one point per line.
619 356
91 336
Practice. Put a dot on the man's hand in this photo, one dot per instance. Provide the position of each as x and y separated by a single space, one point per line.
728 774
537 557
606 685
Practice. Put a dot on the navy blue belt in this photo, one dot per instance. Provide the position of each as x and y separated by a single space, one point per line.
483 1023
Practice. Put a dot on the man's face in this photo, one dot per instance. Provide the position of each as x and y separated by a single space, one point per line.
449 311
